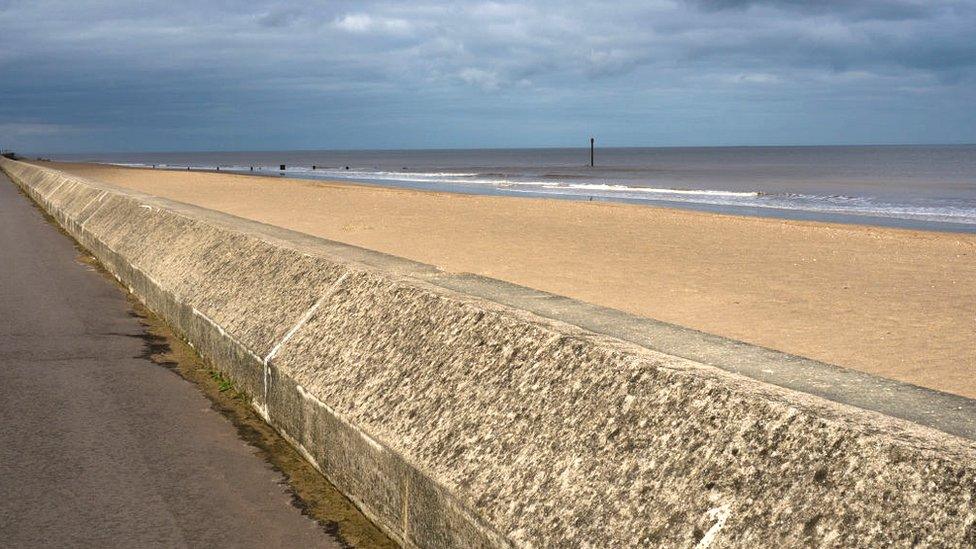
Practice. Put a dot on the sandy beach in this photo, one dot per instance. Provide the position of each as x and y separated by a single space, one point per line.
897 303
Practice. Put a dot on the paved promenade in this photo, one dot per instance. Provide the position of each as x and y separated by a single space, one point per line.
99 447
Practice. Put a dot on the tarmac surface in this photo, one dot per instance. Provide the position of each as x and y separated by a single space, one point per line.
99 446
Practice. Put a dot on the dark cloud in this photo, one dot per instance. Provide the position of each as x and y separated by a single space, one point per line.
279 18
884 10
180 74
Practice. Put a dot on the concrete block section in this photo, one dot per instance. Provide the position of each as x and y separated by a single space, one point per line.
459 412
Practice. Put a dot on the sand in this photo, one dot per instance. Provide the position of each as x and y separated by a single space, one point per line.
896 303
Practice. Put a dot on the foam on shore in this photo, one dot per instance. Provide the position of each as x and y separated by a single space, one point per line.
949 214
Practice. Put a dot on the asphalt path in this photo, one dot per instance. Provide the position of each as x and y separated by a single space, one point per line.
100 446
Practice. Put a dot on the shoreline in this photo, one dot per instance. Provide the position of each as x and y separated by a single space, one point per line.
666 206
899 303
485 190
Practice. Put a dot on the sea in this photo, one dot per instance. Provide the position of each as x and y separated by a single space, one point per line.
931 187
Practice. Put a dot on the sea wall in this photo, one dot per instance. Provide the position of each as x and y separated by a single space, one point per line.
455 419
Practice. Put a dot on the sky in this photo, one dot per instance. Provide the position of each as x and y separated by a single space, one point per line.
105 75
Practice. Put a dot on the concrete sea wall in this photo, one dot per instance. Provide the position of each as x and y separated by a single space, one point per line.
462 412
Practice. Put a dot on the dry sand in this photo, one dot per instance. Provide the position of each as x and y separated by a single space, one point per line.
896 303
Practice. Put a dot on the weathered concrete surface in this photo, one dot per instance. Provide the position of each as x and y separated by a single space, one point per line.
99 446
457 420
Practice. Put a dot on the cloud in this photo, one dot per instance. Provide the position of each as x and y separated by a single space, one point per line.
363 23
279 18
751 78
355 22
891 10
487 80
614 61
194 73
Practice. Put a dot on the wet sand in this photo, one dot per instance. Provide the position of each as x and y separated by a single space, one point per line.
897 303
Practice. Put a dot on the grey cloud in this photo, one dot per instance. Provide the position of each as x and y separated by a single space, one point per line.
180 64
893 10
279 18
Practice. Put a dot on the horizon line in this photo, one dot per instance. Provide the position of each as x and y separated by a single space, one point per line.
544 147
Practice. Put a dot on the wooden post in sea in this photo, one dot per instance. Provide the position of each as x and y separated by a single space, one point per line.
592 141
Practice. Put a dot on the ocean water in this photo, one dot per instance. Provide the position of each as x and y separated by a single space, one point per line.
928 187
